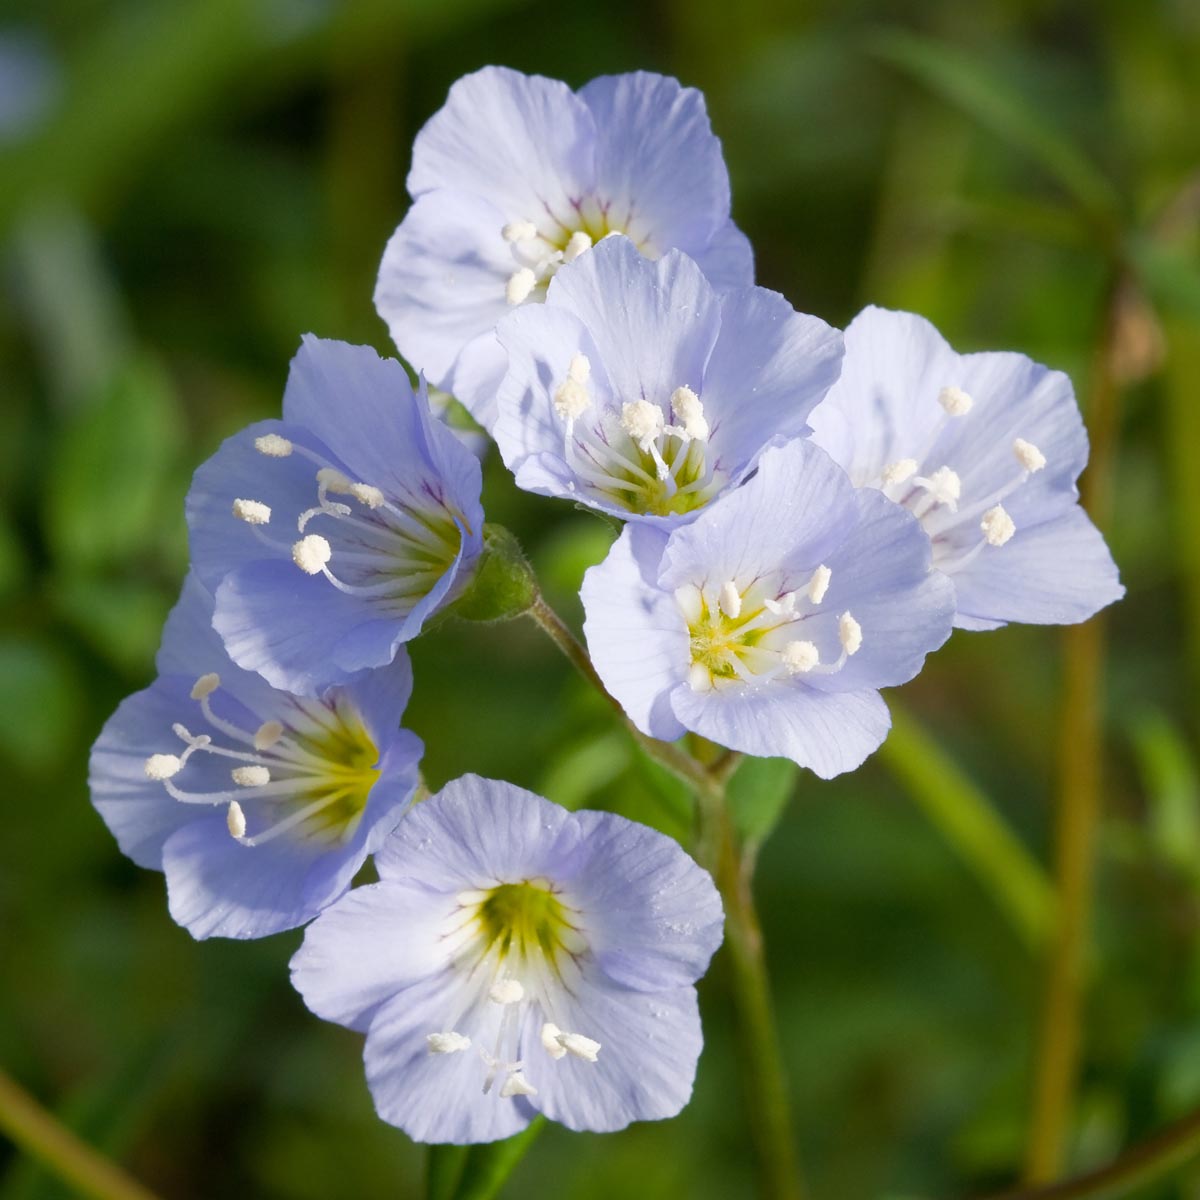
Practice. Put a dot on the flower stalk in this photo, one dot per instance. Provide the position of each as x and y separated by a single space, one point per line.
732 870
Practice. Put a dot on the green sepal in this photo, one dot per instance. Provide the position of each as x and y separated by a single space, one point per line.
504 585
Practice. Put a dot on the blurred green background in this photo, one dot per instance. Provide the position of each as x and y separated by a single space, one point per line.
188 185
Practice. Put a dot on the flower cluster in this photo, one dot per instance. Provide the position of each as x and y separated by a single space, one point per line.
806 517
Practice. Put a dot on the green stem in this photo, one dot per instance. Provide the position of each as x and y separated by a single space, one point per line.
1081 752
961 813
40 1135
761 1060
1144 1164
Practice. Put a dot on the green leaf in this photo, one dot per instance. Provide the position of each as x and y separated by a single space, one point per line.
488 1167
577 772
997 105
39 704
121 620
758 794
1172 788
109 495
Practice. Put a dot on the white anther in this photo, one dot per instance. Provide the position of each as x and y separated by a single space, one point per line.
579 1046
267 734
550 1043
691 602
332 480
520 284
955 401
944 485
235 820
517 1085
689 412
1028 455
449 1042
162 766
818 585
250 776
273 446
205 685
643 422
849 634
580 368
899 471
800 657
367 494
519 231
577 243
311 553
785 606
253 512
506 991
731 600
997 526
699 678
571 399
184 735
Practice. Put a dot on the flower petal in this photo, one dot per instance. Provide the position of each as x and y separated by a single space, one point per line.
635 632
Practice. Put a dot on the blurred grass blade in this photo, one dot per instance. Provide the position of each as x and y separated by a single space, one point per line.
992 102
36 1131
758 794
488 1167
962 814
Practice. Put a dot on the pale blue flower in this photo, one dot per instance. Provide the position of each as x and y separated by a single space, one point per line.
516 958
258 805
331 537
769 623
640 390
985 450
517 174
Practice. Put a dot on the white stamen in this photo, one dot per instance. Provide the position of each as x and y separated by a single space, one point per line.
162 766
449 1042
253 512
251 776
550 1043
899 471
849 634
785 606
580 368
818 585
520 284
267 734
311 553
689 412
691 602
235 820
519 231
1028 455
731 600
699 678
517 1085
576 245
997 526
955 401
944 485
273 446
205 685
643 422
367 494
332 480
800 657
579 1046
506 991
571 399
